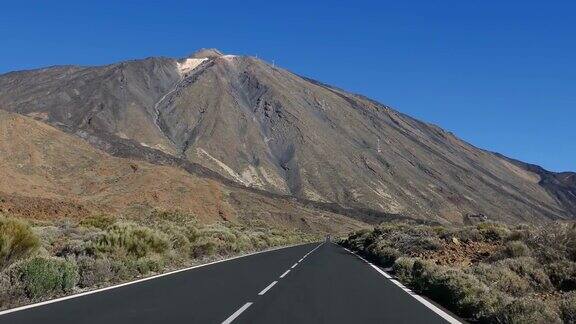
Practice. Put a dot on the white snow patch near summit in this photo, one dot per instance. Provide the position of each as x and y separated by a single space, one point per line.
189 65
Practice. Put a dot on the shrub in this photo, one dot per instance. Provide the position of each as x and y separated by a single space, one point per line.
459 291
568 308
148 264
386 256
101 221
499 274
359 239
515 249
528 311
402 269
521 233
428 243
44 276
502 278
17 240
468 234
204 246
124 269
132 240
529 269
493 231
422 273
93 272
563 275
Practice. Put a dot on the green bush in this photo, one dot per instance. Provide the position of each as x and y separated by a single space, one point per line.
101 221
148 264
17 240
494 273
99 250
456 290
531 270
386 256
468 234
204 247
493 231
502 278
516 249
528 311
48 276
402 269
132 240
426 244
521 233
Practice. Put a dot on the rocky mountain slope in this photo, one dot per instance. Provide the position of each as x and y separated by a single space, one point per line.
46 173
269 129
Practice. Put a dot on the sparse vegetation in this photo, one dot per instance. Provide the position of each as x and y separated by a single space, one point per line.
490 272
49 258
16 240
47 276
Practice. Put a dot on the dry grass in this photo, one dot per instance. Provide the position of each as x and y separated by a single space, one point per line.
16 240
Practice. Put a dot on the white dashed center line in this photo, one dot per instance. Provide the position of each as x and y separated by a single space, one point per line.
237 313
243 308
284 274
267 288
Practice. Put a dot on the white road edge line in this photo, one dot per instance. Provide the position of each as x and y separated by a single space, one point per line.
47 302
419 298
267 288
237 313
284 274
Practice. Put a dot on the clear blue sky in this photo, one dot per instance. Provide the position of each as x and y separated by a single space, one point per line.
499 74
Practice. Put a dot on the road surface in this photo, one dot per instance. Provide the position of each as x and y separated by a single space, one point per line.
312 283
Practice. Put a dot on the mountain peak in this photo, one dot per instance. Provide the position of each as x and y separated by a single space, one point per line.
207 53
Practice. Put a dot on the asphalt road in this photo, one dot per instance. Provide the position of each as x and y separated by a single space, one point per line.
328 285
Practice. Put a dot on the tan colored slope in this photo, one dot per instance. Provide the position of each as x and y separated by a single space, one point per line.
47 173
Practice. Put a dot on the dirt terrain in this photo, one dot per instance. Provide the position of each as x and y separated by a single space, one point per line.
46 173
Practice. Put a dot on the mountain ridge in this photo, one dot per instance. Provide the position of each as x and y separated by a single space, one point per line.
276 131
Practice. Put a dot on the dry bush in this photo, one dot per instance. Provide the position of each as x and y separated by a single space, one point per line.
17 240
455 289
94 272
387 256
101 221
568 308
493 231
515 249
402 269
502 279
99 250
528 311
492 273
131 240
531 270
562 275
